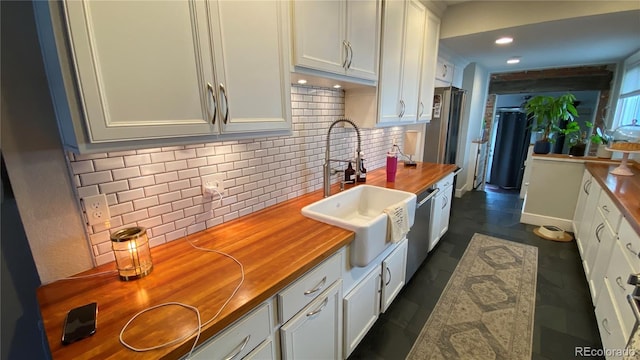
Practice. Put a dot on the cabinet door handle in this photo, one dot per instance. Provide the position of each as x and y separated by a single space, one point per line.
587 186
350 55
402 109
226 103
598 229
317 288
605 208
619 282
322 306
389 280
421 109
213 97
346 54
628 246
444 203
238 349
605 326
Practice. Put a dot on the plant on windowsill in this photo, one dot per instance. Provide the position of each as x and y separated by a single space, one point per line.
602 140
547 112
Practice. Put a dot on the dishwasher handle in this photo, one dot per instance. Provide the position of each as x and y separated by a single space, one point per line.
429 197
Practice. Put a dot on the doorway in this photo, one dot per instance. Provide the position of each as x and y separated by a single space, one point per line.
509 152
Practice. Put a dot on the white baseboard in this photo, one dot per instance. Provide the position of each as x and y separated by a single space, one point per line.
539 220
459 192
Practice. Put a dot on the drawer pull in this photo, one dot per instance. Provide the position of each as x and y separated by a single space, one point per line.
628 246
317 288
213 97
389 280
238 349
619 282
322 306
605 208
605 326
586 186
598 229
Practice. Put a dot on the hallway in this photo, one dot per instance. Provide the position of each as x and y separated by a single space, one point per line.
564 315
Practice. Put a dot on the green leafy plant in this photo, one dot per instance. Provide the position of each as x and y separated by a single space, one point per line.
600 138
548 111
574 133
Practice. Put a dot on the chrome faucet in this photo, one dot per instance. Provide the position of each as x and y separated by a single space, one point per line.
327 171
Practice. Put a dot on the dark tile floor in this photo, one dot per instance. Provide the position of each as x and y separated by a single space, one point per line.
564 314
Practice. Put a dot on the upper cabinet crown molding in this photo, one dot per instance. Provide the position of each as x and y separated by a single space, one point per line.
170 72
337 39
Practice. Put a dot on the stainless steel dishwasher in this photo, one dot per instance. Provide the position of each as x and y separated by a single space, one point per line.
418 237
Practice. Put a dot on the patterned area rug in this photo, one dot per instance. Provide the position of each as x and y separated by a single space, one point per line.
486 309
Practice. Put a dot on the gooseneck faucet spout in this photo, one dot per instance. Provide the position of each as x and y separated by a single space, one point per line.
326 167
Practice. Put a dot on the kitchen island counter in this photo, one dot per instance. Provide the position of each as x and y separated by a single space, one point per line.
275 246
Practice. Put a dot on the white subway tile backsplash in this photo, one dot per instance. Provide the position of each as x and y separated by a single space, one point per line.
159 188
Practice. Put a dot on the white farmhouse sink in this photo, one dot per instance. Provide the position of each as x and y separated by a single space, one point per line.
360 209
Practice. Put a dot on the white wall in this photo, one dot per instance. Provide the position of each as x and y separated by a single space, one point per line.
35 161
476 82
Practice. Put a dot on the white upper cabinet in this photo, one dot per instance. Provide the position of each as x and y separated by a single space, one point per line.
124 73
402 46
338 37
429 62
252 65
145 77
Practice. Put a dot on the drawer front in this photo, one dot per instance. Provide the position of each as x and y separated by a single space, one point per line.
240 338
630 242
446 181
610 331
609 211
308 287
617 275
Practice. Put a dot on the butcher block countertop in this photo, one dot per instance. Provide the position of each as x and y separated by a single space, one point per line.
624 190
275 246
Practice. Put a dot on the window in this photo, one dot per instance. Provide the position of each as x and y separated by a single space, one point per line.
628 107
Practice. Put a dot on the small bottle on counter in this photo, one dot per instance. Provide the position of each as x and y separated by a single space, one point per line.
362 177
350 174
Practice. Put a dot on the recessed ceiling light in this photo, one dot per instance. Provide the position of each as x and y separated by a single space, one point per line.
513 61
504 40
302 81
337 86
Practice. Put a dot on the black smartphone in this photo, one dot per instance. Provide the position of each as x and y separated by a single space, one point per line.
80 323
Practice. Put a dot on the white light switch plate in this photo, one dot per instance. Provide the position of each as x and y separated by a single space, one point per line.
97 209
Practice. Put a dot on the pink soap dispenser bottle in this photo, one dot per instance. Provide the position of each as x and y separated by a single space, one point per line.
392 165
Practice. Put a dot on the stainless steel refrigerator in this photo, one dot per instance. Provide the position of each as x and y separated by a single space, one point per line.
441 137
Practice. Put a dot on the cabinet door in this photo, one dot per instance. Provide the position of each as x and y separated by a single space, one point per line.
412 59
316 331
394 268
319 29
429 61
390 71
141 68
445 210
608 324
361 309
582 200
252 65
590 208
363 35
435 221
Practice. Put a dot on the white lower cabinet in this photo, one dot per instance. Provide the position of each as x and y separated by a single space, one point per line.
241 338
361 309
393 274
608 324
316 331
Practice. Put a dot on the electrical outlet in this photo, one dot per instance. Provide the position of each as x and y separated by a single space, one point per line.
215 181
97 209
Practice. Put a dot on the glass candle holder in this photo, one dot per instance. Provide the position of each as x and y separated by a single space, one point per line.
133 256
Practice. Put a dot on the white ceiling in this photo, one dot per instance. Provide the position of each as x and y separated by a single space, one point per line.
596 39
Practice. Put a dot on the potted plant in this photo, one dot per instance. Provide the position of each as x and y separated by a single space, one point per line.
547 112
576 137
602 140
